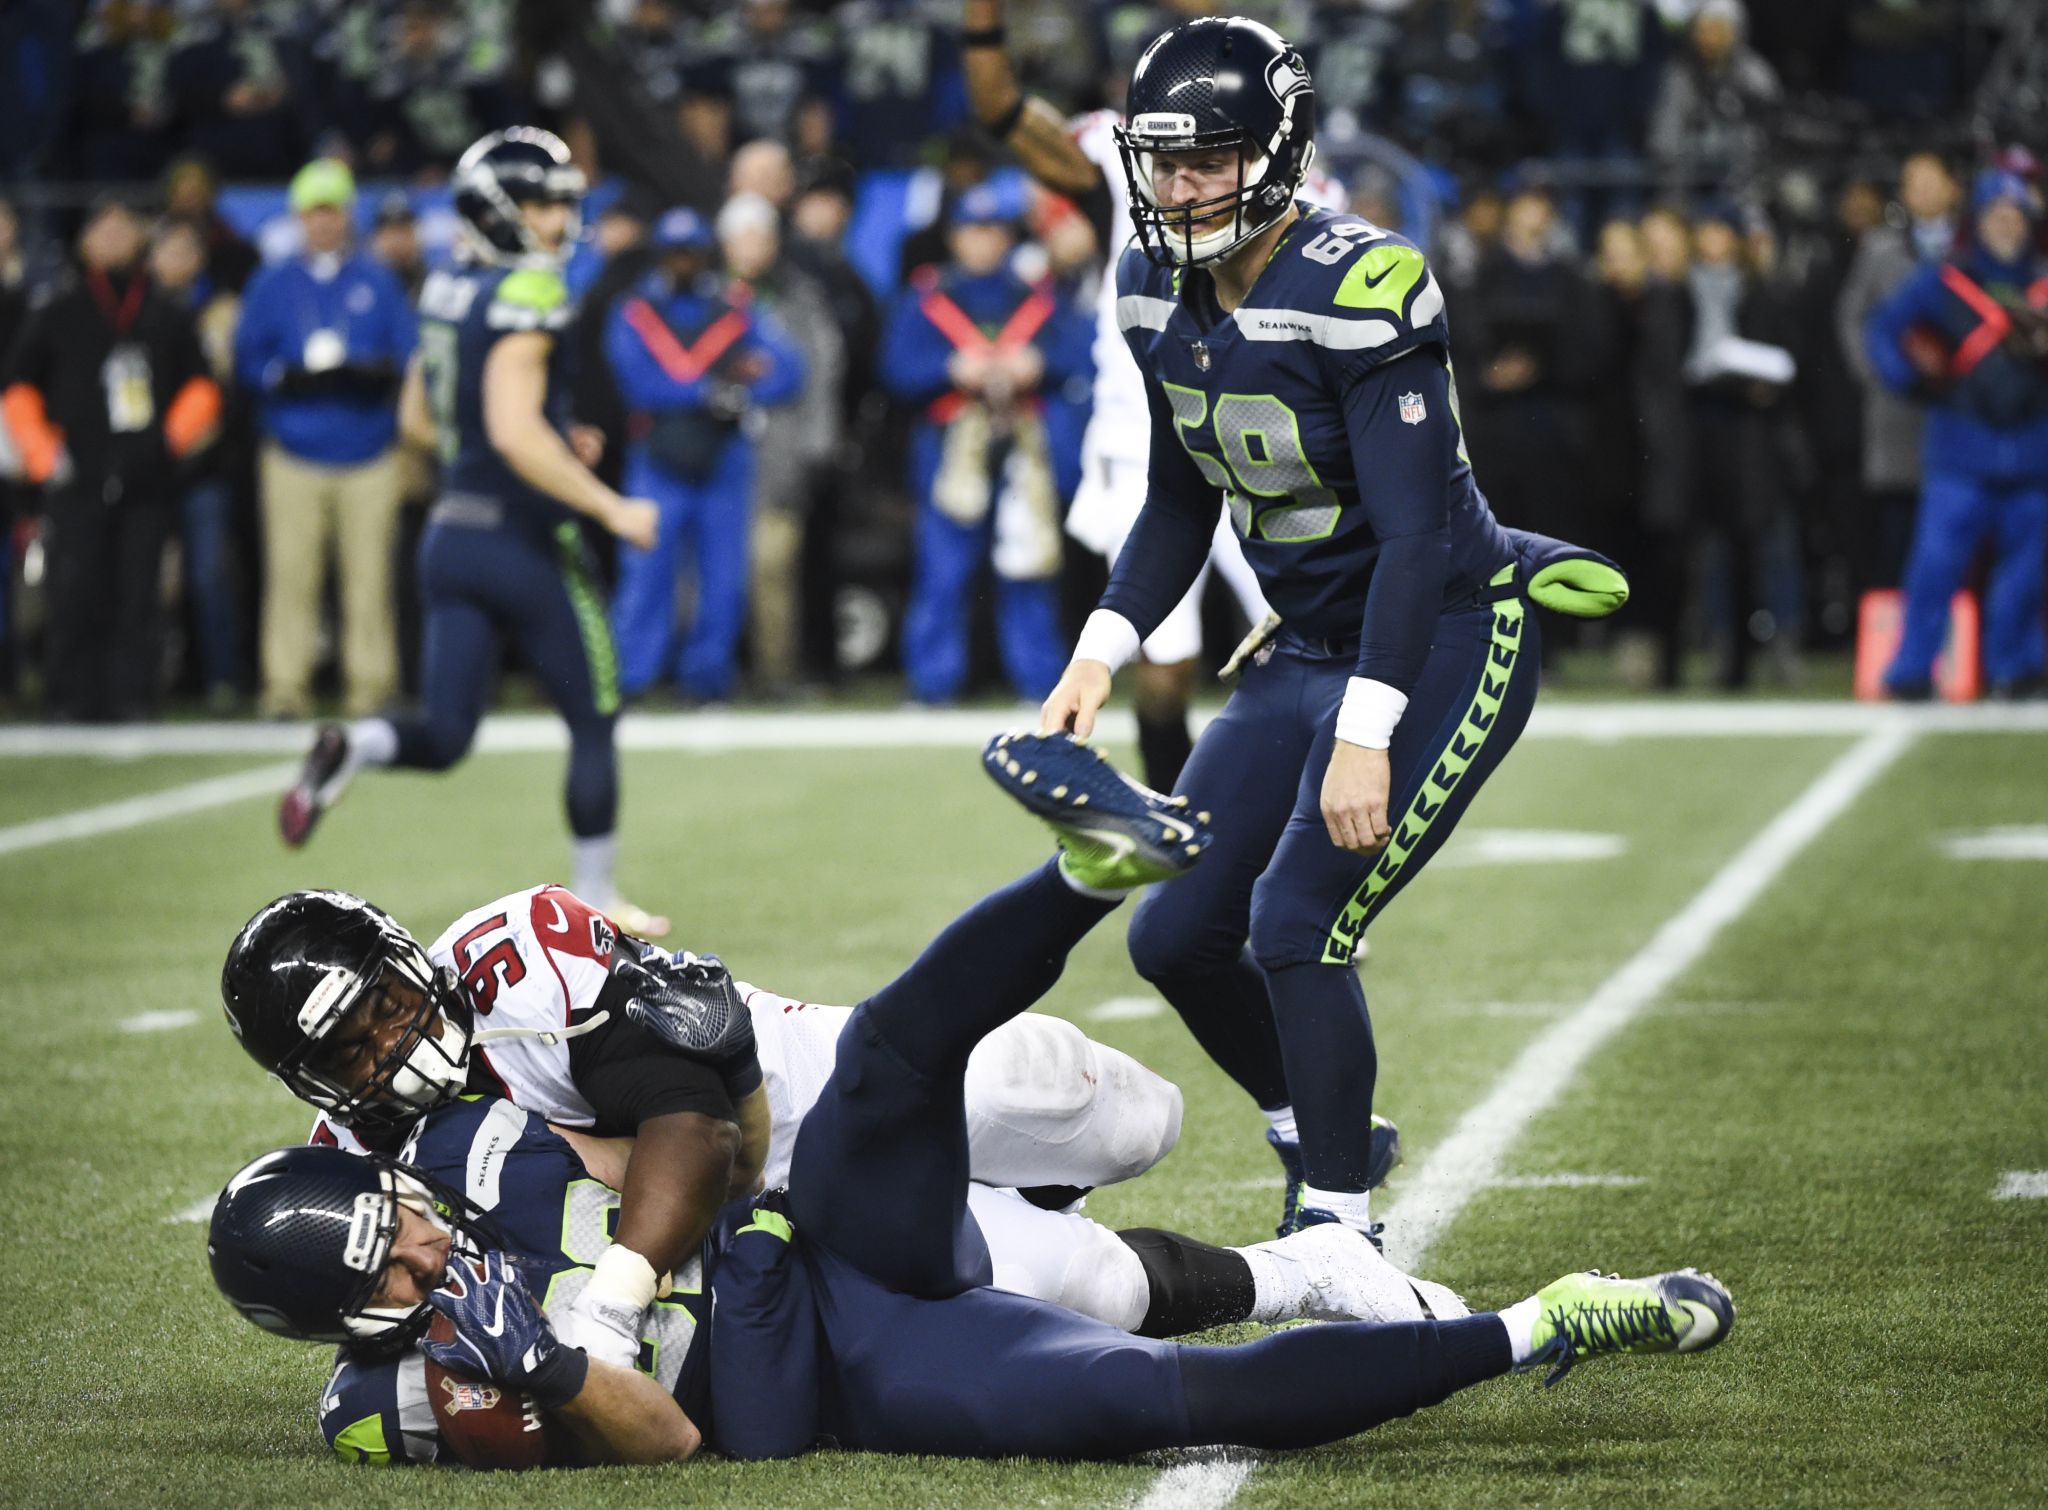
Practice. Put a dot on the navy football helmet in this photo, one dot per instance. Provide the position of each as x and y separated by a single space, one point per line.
300 1239
499 173
310 973
1217 83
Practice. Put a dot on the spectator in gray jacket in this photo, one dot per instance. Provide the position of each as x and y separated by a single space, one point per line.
796 442
1710 125
1919 229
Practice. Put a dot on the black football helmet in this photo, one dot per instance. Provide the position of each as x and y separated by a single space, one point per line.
1220 82
501 172
300 1239
299 969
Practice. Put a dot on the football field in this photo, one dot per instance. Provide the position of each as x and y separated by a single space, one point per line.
1761 988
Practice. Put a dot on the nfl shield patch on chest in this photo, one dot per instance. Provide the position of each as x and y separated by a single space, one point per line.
1201 355
1412 411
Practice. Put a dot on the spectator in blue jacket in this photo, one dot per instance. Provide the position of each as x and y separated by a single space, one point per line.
1968 336
974 346
694 366
323 341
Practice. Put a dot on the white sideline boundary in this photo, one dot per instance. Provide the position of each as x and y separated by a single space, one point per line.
1206 1482
908 728
1472 1158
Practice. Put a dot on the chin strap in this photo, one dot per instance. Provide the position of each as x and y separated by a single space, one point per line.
549 1036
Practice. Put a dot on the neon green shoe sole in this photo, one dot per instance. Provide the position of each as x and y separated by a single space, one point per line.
1589 1315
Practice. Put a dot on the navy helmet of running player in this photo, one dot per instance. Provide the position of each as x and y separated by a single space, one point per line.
1222 83
296 972
300 1240
501 172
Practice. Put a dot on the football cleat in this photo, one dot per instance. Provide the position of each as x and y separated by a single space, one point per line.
637 921
322 779
1588 1315
1114 833
1344 1277
1384 1156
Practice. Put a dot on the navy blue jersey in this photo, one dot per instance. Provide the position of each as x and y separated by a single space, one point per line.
1324 413
556 1220
464 311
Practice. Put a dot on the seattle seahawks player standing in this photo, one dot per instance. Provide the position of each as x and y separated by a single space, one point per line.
503 553
1297 369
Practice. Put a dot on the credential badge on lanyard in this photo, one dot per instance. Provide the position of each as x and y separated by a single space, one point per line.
131 400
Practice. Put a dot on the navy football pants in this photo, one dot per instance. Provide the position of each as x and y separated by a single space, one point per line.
1958 514
704 524
1254 947
481 585
921 1359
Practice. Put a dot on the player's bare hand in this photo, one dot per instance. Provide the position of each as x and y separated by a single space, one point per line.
1356 788
635 521
587 441
1076 700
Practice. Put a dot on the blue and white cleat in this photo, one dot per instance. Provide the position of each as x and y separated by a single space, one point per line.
1591 1314
1115 833
1381 1162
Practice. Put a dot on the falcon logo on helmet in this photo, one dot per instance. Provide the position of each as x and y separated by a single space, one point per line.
1217 84
498 175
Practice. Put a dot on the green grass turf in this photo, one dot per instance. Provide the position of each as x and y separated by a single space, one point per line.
1819 1112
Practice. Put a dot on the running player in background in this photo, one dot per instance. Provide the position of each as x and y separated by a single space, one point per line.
503 553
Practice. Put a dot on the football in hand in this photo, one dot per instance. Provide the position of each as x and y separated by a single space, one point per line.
487 1425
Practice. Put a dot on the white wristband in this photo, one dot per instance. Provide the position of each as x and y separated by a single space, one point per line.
1369 713
1107 637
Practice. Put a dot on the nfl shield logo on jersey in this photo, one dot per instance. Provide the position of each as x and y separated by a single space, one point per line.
1411 409
1201 355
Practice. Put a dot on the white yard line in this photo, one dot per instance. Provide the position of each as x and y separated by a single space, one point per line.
158 1022
953 728
2022 1185
1472 1158
200 1210
133 812
1126 1009
1206 1482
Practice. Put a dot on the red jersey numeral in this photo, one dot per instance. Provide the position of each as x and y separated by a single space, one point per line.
491 971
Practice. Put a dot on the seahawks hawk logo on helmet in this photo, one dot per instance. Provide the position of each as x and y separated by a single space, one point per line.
1217 83
500 173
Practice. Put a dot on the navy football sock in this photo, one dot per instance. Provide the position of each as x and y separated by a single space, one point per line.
1310 1385
1331 1068
991 963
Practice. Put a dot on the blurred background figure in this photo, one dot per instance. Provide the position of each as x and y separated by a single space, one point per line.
1918 231
395 242
692 365
797 440
1968 337
205 480
973 345
1716 105
105 390
1737 379
324 339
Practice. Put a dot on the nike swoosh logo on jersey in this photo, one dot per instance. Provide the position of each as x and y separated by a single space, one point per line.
561 917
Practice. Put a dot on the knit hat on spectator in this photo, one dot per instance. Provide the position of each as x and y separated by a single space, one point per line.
1994 184
986 204
395 208
681 230
325 181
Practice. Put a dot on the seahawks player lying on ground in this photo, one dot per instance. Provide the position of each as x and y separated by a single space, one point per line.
341 1003
855 1307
